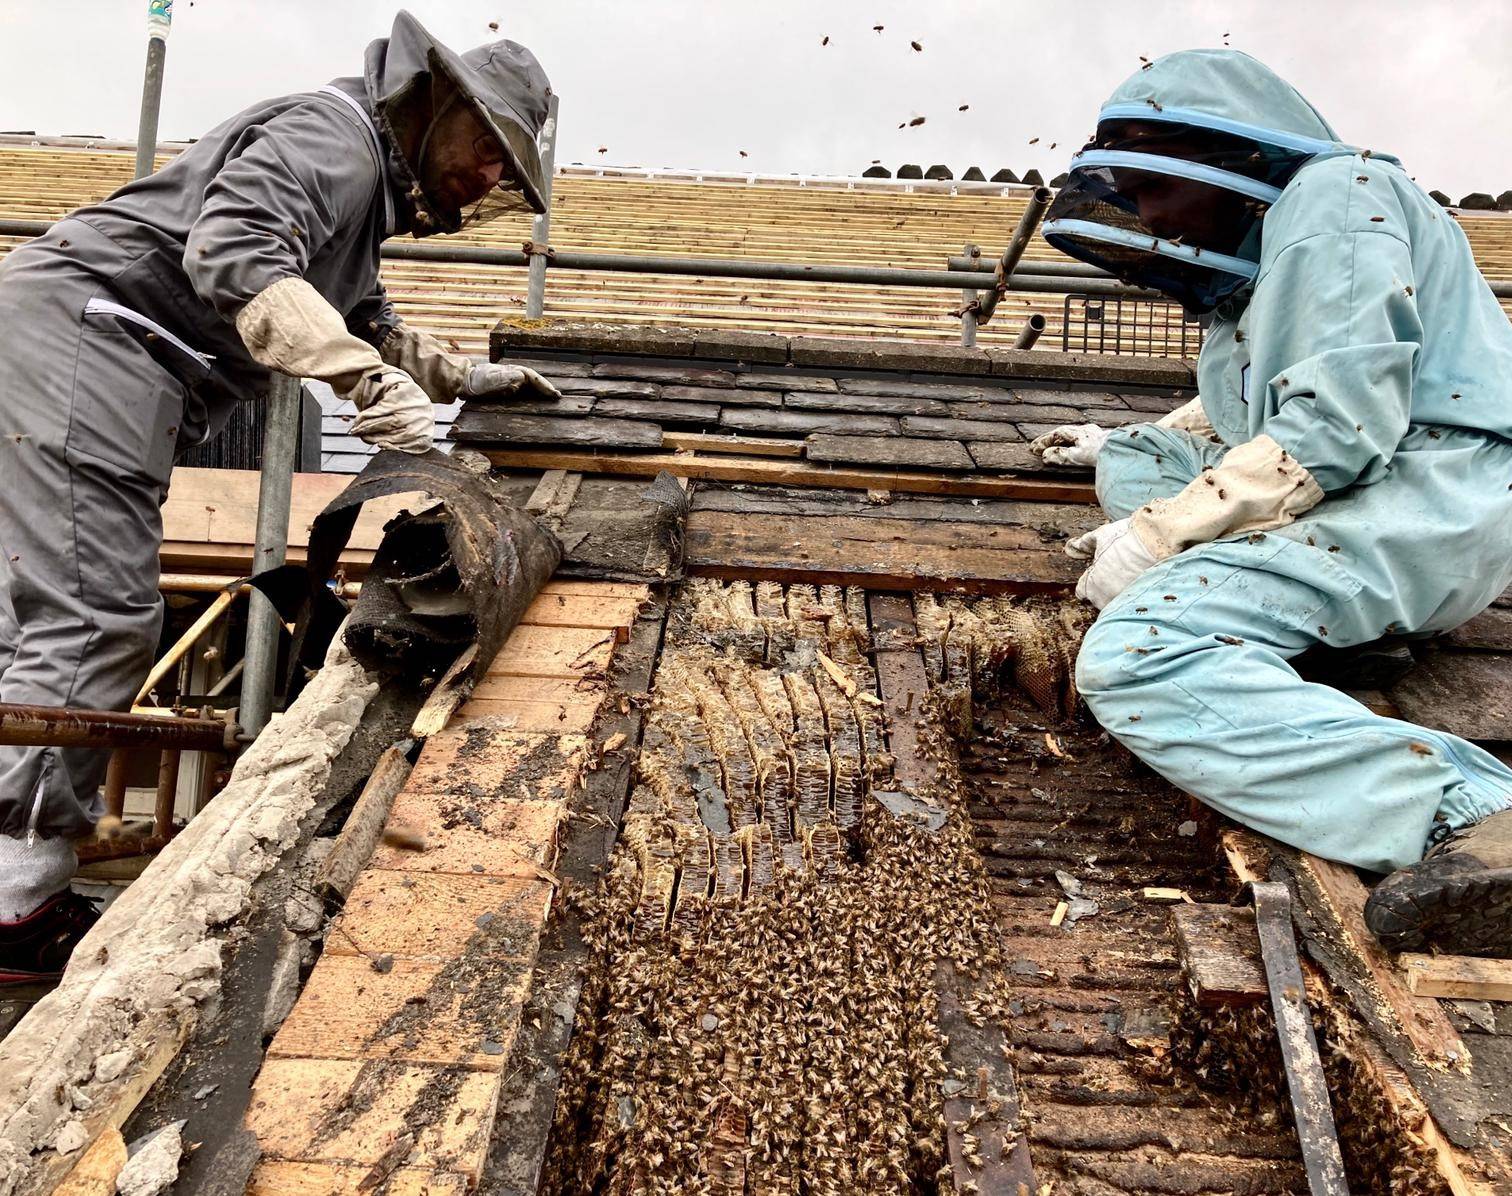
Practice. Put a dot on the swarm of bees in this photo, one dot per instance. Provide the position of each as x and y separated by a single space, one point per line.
763 997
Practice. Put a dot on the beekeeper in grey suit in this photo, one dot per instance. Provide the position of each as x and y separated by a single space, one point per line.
129 331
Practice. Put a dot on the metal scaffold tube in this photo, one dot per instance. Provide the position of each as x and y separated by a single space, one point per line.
159 19
1030 332
60 726
274 500
540 227
1034 212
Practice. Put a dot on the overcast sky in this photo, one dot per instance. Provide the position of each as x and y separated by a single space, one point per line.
690 83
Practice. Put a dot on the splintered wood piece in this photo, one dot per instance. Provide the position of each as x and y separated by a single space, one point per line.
450 692
323 1179
1160 893
1334 896
1460 976
553 495
417 1012
95 1174
359 834
349 1112
440 916
1220 950
838 675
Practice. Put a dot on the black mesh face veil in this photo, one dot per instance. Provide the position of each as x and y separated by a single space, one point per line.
1170 206
456 121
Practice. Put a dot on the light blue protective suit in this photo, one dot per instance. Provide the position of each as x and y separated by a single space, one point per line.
1372 350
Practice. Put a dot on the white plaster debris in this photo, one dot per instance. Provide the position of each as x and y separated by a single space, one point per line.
108 1067
153 1165
149 995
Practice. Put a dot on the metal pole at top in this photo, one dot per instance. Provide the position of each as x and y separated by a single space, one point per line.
274 498
159 18
540 227
969 301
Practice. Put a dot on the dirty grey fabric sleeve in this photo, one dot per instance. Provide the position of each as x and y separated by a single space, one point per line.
441 373
296 181
374 317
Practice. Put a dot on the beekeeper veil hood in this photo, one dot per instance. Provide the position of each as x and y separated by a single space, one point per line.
464 128
1190 153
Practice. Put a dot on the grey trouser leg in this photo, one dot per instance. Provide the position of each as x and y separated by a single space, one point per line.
88 423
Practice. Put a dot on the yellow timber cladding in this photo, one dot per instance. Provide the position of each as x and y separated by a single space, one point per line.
819 222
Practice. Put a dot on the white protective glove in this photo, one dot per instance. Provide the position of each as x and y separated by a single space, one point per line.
1118 557
1071 444
396 413
501 378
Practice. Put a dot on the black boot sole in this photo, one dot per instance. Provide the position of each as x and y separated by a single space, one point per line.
1467 914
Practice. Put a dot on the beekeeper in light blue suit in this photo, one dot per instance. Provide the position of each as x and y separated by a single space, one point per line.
1345 474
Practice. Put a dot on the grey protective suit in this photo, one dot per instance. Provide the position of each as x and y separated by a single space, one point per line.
118 349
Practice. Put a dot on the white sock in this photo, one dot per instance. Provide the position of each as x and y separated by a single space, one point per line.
31 873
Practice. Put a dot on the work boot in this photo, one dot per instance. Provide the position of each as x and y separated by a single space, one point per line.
34 949
1457 899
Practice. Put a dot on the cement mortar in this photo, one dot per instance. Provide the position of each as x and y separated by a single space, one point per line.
140 978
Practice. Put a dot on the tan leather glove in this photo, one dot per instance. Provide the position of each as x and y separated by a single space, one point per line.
291 328
446 376
1258 486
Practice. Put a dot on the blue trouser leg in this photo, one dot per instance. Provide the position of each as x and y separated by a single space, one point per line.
1188 667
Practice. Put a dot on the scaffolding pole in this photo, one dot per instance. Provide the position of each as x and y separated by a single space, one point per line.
159 18
540 227
274 499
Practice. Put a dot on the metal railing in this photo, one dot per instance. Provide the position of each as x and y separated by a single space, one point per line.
1121 325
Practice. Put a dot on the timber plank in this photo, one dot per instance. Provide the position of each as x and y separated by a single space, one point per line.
904 684
322 1179
804 423
1459 976
795 473
1220 949
549 691
564 610
474 426
597 589
439 916
350 1010
509 838
733 442
1334 895
1048 521
567 718
485 762
348 1112
569 652
888 450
